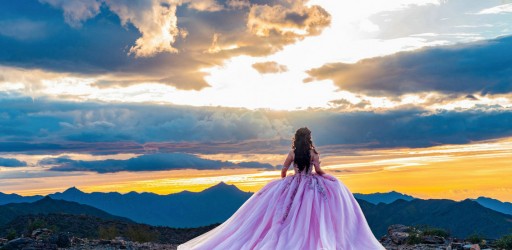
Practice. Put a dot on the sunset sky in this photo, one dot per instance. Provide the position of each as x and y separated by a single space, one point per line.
170 95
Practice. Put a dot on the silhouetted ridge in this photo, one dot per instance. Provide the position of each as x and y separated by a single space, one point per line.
48 205
222 186
460 218
73 190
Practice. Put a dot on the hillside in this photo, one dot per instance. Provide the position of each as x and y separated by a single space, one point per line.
461 218
48 205
184 209
92 227
376 198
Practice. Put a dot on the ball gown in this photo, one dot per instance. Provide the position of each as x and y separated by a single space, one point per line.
299 211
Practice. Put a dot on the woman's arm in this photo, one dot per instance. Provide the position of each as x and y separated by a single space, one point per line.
316 163
286 164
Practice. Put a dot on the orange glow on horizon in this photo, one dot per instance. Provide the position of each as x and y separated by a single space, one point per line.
451 171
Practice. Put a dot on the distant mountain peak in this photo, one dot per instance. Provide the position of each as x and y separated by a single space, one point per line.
223 187
47 197
73 190
494 204
222 183
387 197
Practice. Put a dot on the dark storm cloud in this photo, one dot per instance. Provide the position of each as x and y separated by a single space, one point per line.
481 67
45 126
409 128
115 37
28 124
148 162
11 162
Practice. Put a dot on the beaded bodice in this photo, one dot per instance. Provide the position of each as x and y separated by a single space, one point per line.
312 164
309 171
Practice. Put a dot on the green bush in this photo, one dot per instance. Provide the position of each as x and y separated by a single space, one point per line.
35 224
108 233
475 238
413 239
432 231
141 234
11 234
504 242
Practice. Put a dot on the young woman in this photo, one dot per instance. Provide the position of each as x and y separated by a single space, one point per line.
303 211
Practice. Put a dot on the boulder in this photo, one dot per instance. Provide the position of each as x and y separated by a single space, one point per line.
471 247
18 243
61 240
397 234
432 239
399 238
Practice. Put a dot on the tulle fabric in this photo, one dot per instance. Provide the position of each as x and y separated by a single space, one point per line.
300 211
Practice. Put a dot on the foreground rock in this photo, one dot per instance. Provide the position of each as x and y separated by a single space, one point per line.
401 237
43 238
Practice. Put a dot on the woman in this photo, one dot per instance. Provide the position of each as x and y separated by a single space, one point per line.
301 211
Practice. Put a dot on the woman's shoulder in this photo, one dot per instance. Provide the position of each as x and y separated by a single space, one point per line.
314 152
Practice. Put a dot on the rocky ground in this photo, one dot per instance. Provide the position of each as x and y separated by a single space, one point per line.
399 237
44 238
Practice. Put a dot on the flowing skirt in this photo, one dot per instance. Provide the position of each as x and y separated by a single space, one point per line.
300 211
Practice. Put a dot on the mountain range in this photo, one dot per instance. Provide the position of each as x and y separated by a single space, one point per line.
183 209
459 218
496 205
84 221
187 209
47 205
386 198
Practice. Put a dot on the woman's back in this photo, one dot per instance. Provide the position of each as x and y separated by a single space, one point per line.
314 162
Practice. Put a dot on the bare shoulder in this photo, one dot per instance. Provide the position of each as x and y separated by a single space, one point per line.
315 154
291 153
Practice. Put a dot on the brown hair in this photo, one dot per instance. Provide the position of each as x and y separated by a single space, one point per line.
301 145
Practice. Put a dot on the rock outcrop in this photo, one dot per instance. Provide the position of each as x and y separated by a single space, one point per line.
401 237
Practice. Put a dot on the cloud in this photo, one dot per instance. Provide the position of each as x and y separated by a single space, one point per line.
76 11
269 67
287 18
450 21
11 162
147 162
37 124
204 5
481 67
155 20
238 4
500 9
44 126
22 29
168 42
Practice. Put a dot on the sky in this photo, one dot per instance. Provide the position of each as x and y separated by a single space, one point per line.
170 95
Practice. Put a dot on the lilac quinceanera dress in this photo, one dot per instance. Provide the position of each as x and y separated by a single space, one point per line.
300 211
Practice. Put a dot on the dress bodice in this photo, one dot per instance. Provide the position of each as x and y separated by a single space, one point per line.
312 164
309 171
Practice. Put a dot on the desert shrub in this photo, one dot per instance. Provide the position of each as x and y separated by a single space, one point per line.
432 231
35 224
417 232
11 234
475 238
413 239
108 233
141 234
505 242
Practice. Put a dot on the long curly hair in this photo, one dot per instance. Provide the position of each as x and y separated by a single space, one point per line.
302 145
